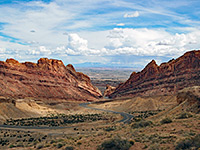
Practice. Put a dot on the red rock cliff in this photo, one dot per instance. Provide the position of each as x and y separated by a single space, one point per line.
167 78
48 78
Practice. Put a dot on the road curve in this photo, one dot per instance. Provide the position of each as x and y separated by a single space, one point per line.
126 117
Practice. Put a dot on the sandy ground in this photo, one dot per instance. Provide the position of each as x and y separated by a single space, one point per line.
139 104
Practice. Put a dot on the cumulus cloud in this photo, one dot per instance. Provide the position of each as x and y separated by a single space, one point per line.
77 43
79 46
150 42
44 51
132 15
120 41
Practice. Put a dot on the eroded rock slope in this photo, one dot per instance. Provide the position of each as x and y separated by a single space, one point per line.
48 78
166 79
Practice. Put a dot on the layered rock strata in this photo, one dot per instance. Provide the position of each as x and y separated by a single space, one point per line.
48 78
166 79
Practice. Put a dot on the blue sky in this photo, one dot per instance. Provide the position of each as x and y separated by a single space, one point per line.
118 32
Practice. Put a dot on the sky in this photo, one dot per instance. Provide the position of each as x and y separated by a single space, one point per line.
111 32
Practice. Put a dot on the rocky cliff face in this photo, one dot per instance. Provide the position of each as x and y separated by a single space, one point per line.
48 78
167 78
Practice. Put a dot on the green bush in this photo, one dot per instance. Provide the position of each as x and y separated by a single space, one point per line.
59 145
141 124
52 142
132 142
192 143
115 144
166 120
11 146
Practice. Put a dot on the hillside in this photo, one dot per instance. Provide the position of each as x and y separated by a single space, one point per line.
48 78
166 79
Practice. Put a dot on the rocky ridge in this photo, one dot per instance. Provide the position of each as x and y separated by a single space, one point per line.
48 78
166 79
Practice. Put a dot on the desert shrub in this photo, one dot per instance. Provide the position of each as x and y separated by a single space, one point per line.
58 120
115 144
52 141
39 146
192 143
69 148
141 124
184 115
31 139
145 147
110 129
132 142
20 145
11 146
59 145
166 120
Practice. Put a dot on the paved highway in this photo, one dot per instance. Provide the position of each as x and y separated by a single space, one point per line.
126 117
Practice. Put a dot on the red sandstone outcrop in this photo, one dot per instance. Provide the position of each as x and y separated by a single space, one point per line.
109 90
168 78
48 78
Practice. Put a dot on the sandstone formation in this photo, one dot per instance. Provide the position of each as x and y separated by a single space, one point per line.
48 78
166 79
109 90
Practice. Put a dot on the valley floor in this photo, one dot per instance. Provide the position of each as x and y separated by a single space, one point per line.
158 123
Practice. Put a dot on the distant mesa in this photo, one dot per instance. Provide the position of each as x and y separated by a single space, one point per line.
166 79
48 78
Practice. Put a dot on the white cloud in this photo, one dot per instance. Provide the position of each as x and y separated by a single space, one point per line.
150 42
44 19
79 46
2 50
140 42
132 15
44 51
77 43
120 24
